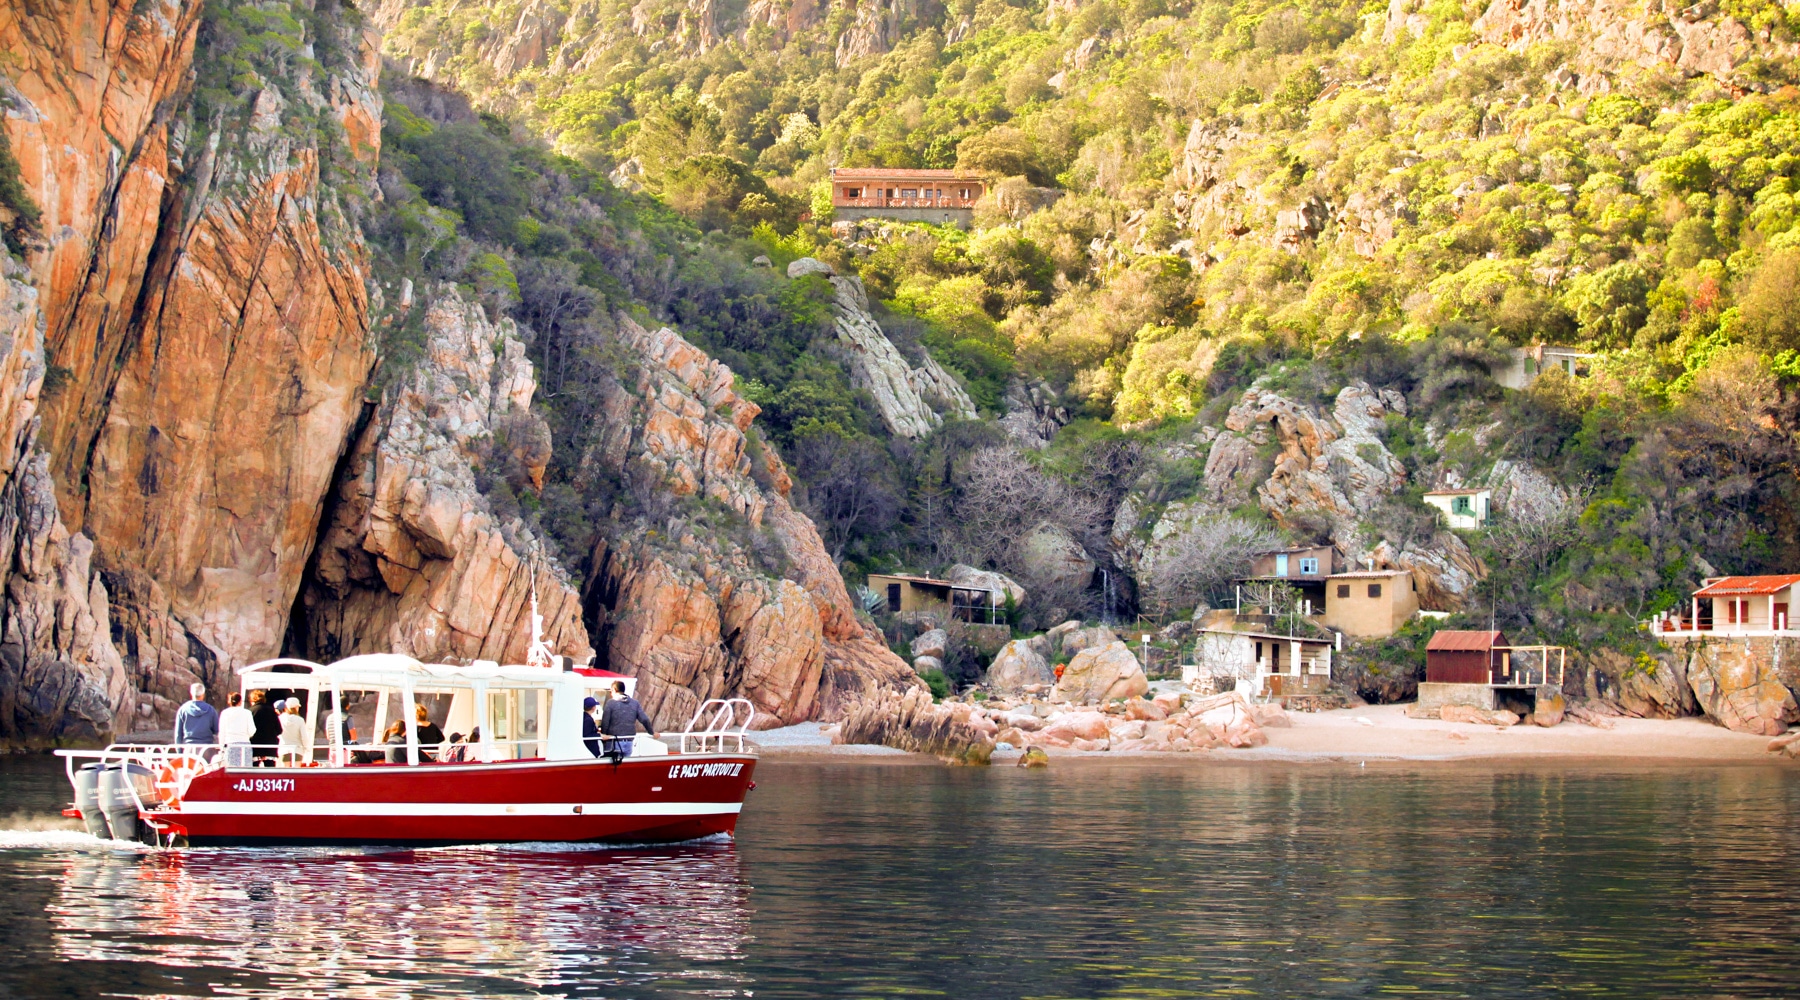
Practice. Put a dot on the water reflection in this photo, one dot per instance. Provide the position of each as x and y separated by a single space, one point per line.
448 922
1086 881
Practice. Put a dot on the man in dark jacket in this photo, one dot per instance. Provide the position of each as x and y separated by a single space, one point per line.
619 721
590 730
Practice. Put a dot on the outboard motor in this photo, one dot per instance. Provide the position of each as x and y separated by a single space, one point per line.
118 802
87 799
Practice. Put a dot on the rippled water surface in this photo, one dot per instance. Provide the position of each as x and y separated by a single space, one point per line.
882 879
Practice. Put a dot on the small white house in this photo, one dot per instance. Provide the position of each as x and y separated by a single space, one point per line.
1463 508
1259 664
1529 362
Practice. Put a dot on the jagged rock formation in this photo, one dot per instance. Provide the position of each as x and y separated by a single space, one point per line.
1610 34
692 600
913 401
61 678
874 29
909 721
413 559
205 295
1336 466
1033 415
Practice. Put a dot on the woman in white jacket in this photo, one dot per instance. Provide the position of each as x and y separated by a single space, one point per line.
295 747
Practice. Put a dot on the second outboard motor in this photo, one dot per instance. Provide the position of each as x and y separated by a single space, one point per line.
118 802
87 799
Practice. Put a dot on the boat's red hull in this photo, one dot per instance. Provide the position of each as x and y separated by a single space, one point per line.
647 800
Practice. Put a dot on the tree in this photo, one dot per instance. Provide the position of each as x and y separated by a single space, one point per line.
1199 562
850 489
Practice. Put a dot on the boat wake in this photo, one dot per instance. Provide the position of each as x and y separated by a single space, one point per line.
568 847
43 839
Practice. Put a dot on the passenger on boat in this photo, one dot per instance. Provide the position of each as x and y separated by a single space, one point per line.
590 730
267 734
429 735
196 722
619 721
395 739
235 723
294 748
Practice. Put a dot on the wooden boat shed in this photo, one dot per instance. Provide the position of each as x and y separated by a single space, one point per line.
1457 656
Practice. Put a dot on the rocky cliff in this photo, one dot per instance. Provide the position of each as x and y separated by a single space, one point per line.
204 308
913 400
414 559
724 589
197 471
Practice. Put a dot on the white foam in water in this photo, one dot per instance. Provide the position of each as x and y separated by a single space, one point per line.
565 847
13 840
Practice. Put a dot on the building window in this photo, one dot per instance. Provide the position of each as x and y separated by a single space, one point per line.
1309 567
1374 590
853 192
909 192
1343 590
1461 505
1531 366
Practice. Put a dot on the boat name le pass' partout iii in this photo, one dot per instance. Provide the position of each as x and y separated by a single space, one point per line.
523 772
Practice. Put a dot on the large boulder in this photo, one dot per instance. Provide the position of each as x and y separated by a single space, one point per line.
1101 674
934 643
1016 666
1065 729
1076 640
1052 557
1054 636
1736 684
994 583
1476 716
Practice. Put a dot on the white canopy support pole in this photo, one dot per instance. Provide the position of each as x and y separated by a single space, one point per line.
409 715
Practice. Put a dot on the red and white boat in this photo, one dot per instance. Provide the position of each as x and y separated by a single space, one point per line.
523 773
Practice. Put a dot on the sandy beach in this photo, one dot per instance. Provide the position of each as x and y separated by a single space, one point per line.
1383 732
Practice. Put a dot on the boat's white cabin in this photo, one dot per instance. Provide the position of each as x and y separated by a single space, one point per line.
488 712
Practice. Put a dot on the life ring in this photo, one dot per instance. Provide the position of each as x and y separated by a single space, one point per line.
174 777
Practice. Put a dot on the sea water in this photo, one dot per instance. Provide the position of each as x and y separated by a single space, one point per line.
897 878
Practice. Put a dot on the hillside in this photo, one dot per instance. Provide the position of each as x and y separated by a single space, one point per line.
1229 234
338 329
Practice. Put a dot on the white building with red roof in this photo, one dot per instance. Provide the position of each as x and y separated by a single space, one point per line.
1735 605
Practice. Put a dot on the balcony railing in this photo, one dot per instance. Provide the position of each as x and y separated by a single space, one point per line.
947 201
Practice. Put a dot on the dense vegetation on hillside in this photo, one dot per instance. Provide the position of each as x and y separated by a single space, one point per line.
1192 197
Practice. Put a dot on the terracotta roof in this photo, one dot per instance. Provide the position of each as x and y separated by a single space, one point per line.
897 173
1747 586
1457 640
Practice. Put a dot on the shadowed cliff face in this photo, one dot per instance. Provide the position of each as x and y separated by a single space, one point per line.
413 559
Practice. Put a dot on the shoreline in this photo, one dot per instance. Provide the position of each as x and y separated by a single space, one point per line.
1387 735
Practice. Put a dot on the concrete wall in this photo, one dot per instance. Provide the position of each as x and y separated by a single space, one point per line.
962 217
1433 697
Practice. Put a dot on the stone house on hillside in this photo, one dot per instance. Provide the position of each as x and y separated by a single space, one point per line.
1370 604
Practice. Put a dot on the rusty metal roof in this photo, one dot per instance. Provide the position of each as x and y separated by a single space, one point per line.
1457 640
1747 586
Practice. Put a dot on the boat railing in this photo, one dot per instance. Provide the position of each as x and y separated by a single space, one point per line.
718 726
